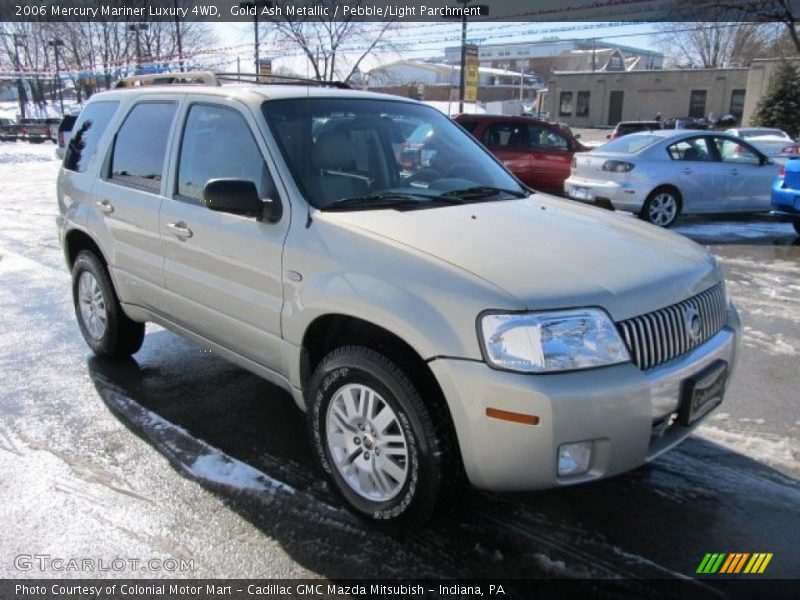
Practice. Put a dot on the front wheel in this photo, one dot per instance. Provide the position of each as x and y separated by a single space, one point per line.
797 227
375 438
107 330
662 207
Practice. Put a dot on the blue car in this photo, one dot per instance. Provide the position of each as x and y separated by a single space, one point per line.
786 193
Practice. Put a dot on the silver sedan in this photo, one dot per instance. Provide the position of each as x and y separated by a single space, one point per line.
659 175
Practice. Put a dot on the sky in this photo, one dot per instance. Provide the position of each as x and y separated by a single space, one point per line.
422 40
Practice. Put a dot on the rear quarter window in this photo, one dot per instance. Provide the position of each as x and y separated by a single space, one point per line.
89 128
470 126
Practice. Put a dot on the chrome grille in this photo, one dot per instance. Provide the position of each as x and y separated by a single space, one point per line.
664 334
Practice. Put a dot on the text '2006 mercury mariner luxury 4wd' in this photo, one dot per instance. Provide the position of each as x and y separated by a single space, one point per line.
435 319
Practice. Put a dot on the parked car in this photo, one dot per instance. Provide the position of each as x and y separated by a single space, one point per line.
537 152
9 130
771 142
662 174
786 193
37 131
64 133
627 127
686 123
434 325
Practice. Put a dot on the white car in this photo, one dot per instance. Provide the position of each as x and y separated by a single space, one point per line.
770 141
659 175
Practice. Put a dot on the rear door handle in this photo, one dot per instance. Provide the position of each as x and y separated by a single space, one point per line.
180 230
734 171
687 171
105 206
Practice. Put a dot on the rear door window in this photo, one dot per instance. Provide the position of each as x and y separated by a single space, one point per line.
509 135
692 149
89 128
141 144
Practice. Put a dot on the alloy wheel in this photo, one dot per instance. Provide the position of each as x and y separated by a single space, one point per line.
366 442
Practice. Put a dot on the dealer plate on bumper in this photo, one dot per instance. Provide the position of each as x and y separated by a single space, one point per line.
702 392
581 193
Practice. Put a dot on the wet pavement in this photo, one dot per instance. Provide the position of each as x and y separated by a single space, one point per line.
179 454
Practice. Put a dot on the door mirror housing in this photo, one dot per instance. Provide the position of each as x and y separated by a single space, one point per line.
240 197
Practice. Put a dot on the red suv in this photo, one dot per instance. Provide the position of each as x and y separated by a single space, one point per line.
537 152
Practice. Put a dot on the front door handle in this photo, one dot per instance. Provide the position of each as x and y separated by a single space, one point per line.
734 171
687 171
180 230
105 206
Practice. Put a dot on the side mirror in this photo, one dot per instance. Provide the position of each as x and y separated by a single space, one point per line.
577 136
239 197
608 137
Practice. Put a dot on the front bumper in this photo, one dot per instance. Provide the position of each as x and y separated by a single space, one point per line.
619 195
619 408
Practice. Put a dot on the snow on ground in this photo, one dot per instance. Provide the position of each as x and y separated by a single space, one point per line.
743 229
14 153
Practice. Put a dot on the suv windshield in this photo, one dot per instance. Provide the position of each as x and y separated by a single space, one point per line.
363 154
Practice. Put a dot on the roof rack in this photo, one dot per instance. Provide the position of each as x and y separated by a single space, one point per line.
269 79
209 78
185 78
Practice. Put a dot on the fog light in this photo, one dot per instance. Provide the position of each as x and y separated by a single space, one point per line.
574 459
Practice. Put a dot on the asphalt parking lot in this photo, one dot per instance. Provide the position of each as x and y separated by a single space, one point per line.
178 454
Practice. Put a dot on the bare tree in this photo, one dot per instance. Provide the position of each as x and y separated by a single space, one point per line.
334 48
783 12
717 44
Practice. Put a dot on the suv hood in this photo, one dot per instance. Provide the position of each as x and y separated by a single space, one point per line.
551 253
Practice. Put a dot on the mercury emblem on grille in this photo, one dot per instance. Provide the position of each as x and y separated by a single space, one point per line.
693 323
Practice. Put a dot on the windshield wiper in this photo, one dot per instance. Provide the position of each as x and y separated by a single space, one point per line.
483 191
389 200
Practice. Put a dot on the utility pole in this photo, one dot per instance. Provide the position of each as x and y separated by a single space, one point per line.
256 6
178 37
136 28
462 83
55 45
463 75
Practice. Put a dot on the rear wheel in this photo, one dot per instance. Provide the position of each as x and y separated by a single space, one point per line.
375 438
106 328
662 207
797 227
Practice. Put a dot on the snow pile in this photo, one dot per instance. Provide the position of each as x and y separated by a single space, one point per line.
780 452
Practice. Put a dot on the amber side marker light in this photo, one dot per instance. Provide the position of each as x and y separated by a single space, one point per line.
514 417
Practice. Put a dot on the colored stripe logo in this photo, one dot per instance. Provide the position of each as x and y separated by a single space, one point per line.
734 563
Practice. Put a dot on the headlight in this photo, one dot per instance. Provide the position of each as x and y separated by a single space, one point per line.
541 342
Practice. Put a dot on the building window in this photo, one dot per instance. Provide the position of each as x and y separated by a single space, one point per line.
565 105
582 105
697 104
737 104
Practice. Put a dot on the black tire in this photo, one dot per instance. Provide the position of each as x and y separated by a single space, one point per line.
431 452
797 227
120 336
662 207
